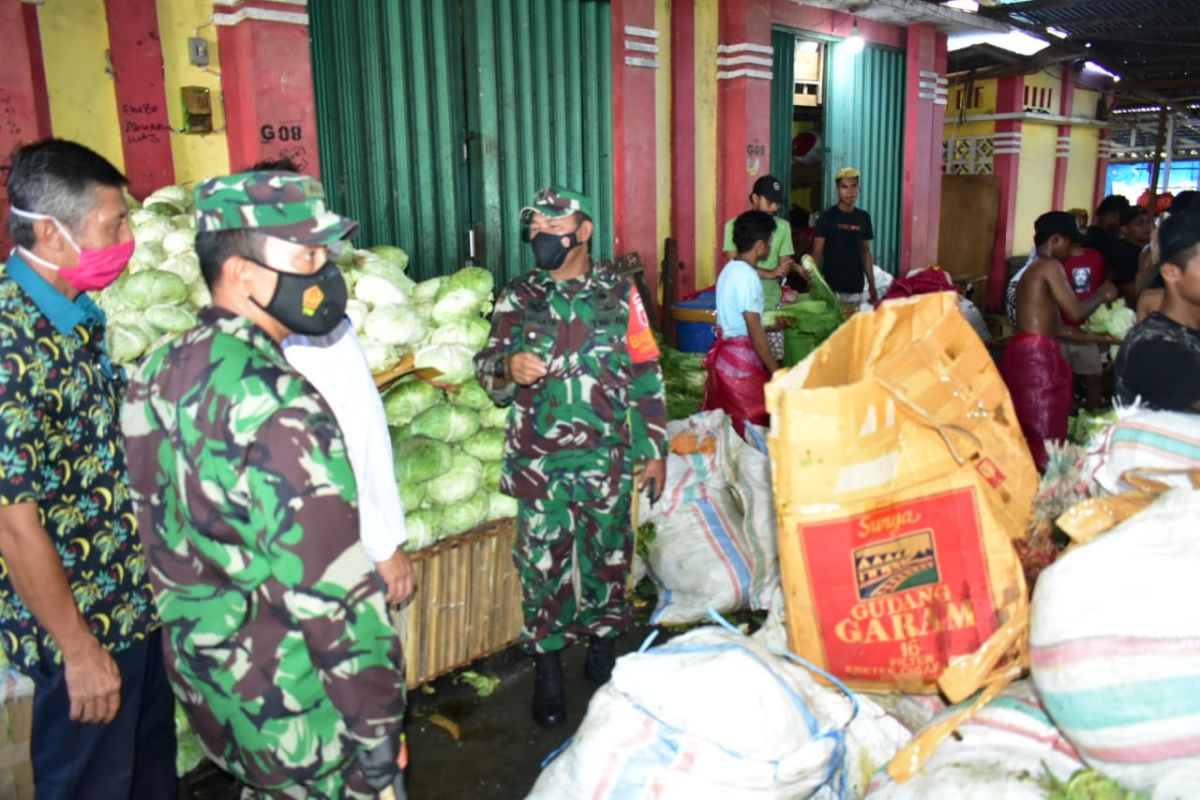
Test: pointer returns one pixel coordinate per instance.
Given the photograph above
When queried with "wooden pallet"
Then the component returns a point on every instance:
(467, 603)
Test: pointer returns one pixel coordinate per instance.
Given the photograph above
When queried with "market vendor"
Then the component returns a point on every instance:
(1159, 360)
(842, 241)
(278, 643)
(1038, 375)
(76, 608)
(572, 350)
(741, 362)
(767, 196)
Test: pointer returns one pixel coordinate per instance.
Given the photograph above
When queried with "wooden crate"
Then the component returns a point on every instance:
(16, 723)
(467, 603)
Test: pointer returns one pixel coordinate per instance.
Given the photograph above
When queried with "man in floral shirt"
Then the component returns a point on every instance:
(76, 608)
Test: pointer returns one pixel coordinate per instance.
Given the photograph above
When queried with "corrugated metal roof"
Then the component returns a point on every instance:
(1153, 45)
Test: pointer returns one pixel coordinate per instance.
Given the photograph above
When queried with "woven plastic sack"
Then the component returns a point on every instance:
(1006, 751)
(900, 477)
(710, 715)
(714, 543)
(1114, 647)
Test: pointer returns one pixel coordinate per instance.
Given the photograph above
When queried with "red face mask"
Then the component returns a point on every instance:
(97, 267)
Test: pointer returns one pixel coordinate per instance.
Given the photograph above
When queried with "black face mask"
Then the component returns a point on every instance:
(309, 304)
(548, 249)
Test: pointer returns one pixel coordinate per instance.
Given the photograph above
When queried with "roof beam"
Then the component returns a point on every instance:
(1029, 5)
(1192, 82)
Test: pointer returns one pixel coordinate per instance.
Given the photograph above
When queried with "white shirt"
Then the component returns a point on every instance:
(336, 365)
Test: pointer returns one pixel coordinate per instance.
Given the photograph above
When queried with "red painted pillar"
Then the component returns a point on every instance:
(267, 80)
(743, 107)
(924, 119)
(24, 113)
(1006, 163)
(1063, 145)
(141, 94)
(635, 65)
(683, 142)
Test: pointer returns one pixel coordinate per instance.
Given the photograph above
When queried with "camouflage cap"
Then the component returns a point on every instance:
(555, 201)
(281, 204)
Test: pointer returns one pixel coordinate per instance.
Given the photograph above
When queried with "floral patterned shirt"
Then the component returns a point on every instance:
(61, 447)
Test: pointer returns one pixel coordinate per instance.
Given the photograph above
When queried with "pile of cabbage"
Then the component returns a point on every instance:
(157, 297)
(1112, 319)
(447, 445)
(442, 321)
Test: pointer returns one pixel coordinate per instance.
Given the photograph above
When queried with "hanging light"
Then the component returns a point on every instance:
(855, 42)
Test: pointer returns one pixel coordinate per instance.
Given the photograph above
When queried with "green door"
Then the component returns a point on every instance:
(864, 128)
(783, 98)
(389, 89)
(439, 119)
(540, 112)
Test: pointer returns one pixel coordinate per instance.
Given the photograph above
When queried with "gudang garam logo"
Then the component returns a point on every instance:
(899, 593)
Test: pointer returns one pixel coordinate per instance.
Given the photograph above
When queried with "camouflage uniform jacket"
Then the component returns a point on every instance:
(572, 434)
(277, 639)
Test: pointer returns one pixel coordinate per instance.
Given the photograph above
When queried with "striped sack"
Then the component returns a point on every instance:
(714, 544)
(1008, 750)
(1115, 646)
(1145, 440)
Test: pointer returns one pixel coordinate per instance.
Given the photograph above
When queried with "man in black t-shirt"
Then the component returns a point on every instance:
(1136, 226)
(1160, 358)
(842, 241)
(1105, 233)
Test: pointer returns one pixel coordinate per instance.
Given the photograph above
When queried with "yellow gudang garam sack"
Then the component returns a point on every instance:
(901, 477)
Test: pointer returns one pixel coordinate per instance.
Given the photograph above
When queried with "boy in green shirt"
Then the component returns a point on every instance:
(767, 195)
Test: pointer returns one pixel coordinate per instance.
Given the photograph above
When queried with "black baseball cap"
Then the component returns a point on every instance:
(1053, 222)
(1113, 203)
(1180, 231)
(770, 188)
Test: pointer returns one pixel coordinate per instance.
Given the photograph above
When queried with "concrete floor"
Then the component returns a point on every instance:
(498, 752)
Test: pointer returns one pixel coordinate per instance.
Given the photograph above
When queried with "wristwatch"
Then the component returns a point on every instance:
(498, 371)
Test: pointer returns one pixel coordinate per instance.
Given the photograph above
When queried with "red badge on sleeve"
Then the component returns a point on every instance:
(638, 336)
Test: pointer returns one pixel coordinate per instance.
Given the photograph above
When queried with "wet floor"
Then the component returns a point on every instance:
(465, 746)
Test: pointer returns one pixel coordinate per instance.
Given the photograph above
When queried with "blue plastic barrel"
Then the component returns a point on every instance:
(695, 323)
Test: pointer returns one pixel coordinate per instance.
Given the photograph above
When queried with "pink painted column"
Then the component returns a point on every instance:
(743, 106)
(24, 113)
(1006, 163)
(924, 120)
(683, 141)
(141, 94)
(635, 65)
(1062, 148)
(267, 80)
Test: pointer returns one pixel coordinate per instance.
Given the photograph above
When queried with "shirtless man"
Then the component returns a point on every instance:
(1033, 366)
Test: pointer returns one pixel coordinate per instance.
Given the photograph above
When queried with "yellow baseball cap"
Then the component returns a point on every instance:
(849, 173)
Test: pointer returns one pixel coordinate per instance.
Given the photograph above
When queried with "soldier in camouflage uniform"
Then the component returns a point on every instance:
(278, 642)
(571, 349)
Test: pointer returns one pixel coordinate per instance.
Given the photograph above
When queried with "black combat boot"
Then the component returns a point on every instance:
(549, 691)
(601, 655)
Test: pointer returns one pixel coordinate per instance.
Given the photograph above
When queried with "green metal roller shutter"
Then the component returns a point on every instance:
(864, 128)
(389, 93)
(783, 88)
(440, 117)
(540, 111)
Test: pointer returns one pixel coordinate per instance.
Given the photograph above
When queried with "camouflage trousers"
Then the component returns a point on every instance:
(334, 786)
(573, 558)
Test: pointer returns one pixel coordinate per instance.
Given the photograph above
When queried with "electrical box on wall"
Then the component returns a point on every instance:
(198, 51)
(197, 110)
